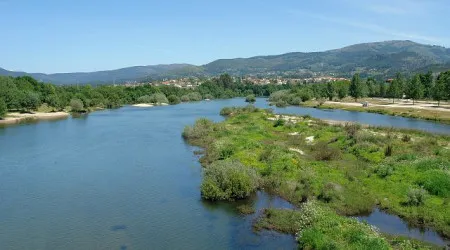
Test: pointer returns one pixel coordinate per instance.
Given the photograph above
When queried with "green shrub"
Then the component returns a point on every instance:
(281, 104)
(201, 128)
(278, 123)
(76, 105)
(185, 98)
(384, 171)
(406, 138)
(228, 180)
(250, 98)
(209, 97)
(158, 98)
(330, 192)
(281, 95)
(195, 97)
(436, 182)
(415, 196)
(433, 163)
(144, 99)
(324, 152)
(173, 99)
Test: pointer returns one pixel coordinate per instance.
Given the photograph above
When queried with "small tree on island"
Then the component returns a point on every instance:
(250, 98)
(356, 88)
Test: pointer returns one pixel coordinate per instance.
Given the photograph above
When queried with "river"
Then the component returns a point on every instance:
(123, 179)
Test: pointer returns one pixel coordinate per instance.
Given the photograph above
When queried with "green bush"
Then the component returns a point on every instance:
(324, 152)
(384, 171)
(144, 99)
(436, 182)
(281, 104)
(158, 98)
(76, 105)
(250, 98)
(173, 99)
(195, 96)
(416, 196)
(3, 108)
(433, 163)
(200, 129)
(209, 97)
(185, 98)
(228, 180)
(279, 123)
(281, 95)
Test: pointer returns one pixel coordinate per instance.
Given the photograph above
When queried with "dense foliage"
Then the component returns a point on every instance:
(228, 180)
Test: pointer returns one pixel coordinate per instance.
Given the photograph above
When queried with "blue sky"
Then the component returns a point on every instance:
(53, 36)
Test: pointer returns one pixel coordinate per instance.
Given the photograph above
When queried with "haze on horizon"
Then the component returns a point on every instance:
(57, 36)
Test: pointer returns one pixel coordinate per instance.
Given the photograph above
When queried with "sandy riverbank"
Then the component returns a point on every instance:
(398, 104)
(142, 105)
(14, 118)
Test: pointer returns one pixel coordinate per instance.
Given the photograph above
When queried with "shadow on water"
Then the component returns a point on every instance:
(243, 224)
(394, 225)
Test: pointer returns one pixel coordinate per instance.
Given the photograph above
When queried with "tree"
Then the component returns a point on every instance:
(158, 98)
(250, 98)
(76, 105)
(427, 83)
(173, 99)
(355, 89)
(395, 90)
(415, 88)
(330, 92)
(342, 92)
(441, 87)
(382, 92)
(3, 109)
(54, 101)
(371, 85)
(30, 100)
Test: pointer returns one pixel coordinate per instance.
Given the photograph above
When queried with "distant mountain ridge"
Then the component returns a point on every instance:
(377, 59)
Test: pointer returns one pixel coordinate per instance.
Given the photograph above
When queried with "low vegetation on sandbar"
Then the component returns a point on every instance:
(334, 170)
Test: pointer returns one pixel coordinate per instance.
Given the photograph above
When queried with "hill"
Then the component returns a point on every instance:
(381, 58)
(376, 59)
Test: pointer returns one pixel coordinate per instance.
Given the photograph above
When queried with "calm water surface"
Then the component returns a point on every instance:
(125, 179)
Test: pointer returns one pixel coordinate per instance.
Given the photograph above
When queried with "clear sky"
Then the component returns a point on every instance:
(87, 35)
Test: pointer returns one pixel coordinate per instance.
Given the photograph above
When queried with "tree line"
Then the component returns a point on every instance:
(419, 86)
(26, 94)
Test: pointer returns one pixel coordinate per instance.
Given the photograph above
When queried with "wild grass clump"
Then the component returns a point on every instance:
(330, 192)
(324, 152)
(228, 180)
(433, 163)
(200, 129)
(352, 129)
(246, 209)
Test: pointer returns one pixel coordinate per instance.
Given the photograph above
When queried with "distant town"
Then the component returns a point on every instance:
(192, 82)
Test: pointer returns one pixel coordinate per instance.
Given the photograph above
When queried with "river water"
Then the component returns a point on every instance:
(122, 179)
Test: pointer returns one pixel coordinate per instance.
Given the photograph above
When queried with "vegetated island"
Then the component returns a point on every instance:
(330, 171)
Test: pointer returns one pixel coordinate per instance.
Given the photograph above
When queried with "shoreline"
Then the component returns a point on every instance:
(425, 112)
(17, 118)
